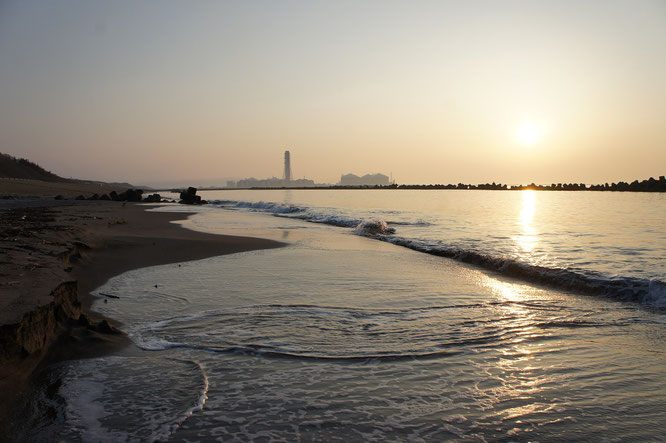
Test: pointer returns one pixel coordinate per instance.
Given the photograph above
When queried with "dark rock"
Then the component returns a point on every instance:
(155, 198)
(113, 195)
(53, 388)
(84, 320)
(94, 197)
(59, 197)
(130, 195)
(105, 328)
(104, 197)
(38, 327)
(134, 195)
(190, 197)
(80, 197)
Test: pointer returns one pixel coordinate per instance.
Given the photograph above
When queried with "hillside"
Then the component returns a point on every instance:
(12, 167)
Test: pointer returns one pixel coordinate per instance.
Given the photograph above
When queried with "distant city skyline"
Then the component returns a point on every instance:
(431, 91)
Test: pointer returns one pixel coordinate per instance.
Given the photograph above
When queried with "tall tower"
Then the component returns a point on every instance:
(287, 166)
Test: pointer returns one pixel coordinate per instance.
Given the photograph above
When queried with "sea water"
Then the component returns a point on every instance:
(389, 315)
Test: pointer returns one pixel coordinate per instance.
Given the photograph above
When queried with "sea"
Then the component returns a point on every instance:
(389, 315)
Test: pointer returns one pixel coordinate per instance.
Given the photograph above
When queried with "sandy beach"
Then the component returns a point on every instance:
(25, 187)
(56, 253)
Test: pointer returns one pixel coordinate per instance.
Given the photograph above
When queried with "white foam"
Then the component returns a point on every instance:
(373, 228)
(166, 431)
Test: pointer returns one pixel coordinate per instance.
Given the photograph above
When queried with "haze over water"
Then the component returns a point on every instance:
(342, 336)
(165, 93)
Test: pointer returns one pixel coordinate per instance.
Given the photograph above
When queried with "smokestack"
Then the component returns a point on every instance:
(287, 166)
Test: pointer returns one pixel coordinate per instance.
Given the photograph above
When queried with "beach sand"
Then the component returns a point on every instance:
(25, 187)
(46, 244)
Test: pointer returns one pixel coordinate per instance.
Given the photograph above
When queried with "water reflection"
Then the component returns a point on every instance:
(519, 365)
(287, 196)
(527, 239)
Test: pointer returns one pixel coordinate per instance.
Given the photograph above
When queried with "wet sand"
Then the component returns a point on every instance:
(47, 243)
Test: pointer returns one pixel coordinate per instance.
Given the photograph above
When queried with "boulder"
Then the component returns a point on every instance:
(190, 197)
(104, 327)
(154, 198)
(134, 195)
(130, 195)
(105, 197)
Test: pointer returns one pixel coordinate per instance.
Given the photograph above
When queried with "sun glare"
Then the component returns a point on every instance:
(528, 134)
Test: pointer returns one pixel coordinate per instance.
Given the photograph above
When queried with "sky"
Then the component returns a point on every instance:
(161, 92)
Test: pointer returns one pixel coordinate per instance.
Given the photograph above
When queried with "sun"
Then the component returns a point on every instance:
(529, 134)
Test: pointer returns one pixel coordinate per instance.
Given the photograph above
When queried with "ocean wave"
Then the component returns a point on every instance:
(346, 334)
(327, 219)
(276, 208)
(651, 292)
(635, 289)
(256, 350)
(371, 228)
(409, 223)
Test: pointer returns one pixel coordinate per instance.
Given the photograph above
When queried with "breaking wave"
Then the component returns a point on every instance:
(651, 292)
(373, 228)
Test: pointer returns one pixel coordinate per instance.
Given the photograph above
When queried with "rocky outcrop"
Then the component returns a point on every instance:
(39, 327)
(131, 195)
(44, 325)
(154, 198)
(190, 197)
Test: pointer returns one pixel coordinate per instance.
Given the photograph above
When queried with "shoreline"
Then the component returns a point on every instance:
(49, 290)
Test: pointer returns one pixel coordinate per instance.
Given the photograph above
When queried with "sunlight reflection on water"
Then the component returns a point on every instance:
(528, 238)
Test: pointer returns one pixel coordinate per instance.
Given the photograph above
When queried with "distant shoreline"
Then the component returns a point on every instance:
(650, 185)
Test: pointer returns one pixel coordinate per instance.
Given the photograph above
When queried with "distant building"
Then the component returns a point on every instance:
(287, 166)
(274, 182)
(366, 180)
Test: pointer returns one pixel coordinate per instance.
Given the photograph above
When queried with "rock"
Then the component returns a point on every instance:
(84, 320)
(190, 197)
(105, 328)
(114, 196)
(155, 198)
(105, 197)
(38, 327)
(134, 195)
(80, 197)
(130, 195)
(59, 197)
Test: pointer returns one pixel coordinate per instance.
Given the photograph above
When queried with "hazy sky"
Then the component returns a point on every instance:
(434, 92)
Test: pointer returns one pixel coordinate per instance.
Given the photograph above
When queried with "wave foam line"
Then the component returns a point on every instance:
(649, 292)
(304, 213)
(652, 292)
(201, 401)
